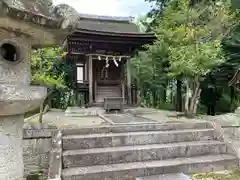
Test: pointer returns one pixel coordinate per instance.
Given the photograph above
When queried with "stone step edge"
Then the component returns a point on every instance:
(153, 126)
(140, 147)
(89, 136)
(83, 171)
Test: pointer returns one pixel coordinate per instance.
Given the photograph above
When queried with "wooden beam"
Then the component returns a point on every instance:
(90, 76)
(129, 82)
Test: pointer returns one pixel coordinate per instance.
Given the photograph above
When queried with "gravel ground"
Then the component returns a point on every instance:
(59, 120)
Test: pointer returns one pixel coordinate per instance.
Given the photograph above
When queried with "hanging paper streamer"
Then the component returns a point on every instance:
(107, 62)
(115, 62)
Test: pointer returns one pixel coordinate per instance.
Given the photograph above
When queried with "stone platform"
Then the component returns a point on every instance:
(178, 176)
(80, 112)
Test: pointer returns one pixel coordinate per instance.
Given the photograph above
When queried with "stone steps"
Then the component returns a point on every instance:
(124, 154)
(136, 128)
(129, 171)
(172, 176)
(72, 142)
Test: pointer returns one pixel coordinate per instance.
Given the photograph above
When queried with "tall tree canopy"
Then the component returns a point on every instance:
(189, 44)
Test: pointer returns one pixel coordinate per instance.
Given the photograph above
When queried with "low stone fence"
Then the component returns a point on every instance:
(232, 135)
(37, 144)
(232, 132)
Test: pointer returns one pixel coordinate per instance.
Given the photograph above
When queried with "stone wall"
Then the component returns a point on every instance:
(37, 144)
(232, 136)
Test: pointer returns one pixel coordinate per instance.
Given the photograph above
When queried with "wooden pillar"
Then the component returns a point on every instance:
(129, 82)
(123, 90)
(122, 81)
(95, 90)
(90, 76)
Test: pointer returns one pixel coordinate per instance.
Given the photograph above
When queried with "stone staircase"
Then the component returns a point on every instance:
(126, 152)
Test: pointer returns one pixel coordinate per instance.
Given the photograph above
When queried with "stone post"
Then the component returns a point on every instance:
(16, 98)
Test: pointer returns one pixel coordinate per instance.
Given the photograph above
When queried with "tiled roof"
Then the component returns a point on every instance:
(106, 18)
(49, 15)
(107, 24)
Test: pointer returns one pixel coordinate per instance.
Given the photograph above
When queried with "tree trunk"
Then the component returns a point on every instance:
(194, 100)
(187, 97)
(197, 101)
(42, 109)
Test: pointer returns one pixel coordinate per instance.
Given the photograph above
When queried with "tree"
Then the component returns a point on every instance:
(42, 63)
(193, 34)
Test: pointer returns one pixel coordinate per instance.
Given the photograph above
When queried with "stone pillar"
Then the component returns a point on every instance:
(16, 98)
(11, 161)
(129, 81)
(90, 79)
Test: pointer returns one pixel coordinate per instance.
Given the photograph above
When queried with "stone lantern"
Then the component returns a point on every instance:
(23, 24)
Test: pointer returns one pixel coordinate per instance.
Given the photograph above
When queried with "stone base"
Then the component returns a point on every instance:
(179, 176)
(11, 143)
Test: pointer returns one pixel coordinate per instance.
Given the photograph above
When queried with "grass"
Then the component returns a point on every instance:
(226, 175)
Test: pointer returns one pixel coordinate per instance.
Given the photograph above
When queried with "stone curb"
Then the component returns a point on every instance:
(55, 159)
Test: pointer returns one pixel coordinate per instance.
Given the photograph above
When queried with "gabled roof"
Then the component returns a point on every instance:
(107, 24)
(106, 18)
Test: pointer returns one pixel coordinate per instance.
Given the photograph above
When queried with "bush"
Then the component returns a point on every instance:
(225, 104)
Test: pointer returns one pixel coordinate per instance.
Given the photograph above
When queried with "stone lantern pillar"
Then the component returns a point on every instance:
(23, 24)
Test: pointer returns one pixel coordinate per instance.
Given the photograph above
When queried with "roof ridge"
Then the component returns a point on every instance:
(106, 18)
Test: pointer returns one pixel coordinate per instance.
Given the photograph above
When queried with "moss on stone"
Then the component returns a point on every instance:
(222, 175)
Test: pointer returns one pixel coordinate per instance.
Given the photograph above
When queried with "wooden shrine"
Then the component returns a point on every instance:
(101, 47)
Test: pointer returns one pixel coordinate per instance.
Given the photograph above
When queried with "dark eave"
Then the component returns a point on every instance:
(116, 34)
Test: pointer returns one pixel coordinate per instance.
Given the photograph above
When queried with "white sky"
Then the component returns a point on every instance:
(109, 7)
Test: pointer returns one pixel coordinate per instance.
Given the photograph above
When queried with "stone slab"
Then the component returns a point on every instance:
(73, 142)
(81, 112)
(177, 176)
(124, 154)
(126, 118)
(135, 128)
(129, 171)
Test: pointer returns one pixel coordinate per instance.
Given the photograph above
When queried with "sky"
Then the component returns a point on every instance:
(133, 8)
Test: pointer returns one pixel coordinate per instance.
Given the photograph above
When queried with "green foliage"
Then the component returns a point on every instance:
(188, 47)
(224, 104)
(51, 70)
(42, 62)
(194, 36)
